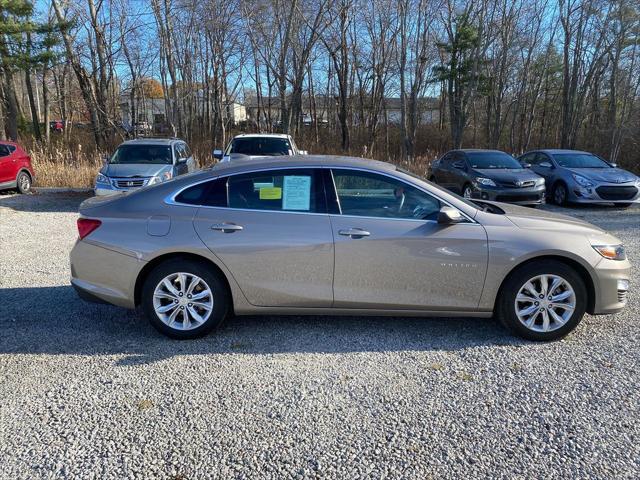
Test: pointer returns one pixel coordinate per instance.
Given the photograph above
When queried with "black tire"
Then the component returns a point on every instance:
(559, 194)
(464, 188)
(220, 295)
(23, 182)
(505, 304)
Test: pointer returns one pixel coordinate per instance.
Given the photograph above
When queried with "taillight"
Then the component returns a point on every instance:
(86, 226)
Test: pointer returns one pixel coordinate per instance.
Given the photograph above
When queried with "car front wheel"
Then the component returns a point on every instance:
(184, 299)
(542, 301)
(559, 194)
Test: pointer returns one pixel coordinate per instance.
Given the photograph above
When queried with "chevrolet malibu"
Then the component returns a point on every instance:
(339, 236)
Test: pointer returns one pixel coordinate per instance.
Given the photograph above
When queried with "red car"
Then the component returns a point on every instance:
(15, 168)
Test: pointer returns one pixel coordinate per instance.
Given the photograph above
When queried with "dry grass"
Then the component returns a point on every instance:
(64, 167)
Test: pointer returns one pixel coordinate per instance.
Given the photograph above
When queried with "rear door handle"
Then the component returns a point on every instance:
(226, 227)
(354, 233)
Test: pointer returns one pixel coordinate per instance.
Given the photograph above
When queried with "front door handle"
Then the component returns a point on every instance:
(226, 227)
(354, 233)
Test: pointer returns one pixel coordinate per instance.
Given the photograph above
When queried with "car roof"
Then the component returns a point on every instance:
(561, 150)
(477, 150)
(256, 135)
(152, 141)
(248, 164)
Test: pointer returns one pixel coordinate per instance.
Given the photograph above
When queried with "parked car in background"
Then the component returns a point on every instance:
(15, 168)
(573, 176)
(141, 162)
(336, 235)
(57, 126)
(488, 175)
(259, 145)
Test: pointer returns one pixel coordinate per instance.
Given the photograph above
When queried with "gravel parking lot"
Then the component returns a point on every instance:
(92, 391)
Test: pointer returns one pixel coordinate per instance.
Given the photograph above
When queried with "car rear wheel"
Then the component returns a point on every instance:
(23, 182)
(184, 299)
(559, 194)
(542, 301)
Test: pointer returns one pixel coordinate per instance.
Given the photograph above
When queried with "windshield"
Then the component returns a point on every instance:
(130, 154)
(261, 146)
(490, 160)
(580, 160)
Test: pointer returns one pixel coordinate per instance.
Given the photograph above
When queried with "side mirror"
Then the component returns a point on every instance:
(525, 165)
(217, 154)
(105, 159)
(546, 165)
(449, 216)
(459, 165)
(303, 152)
(613, 164)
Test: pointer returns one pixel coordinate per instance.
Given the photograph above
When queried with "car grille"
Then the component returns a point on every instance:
(617, 193)
(130, 182)
(518, 198)
(525, 184)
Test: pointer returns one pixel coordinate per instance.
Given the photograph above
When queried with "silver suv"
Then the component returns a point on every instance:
(137, 163)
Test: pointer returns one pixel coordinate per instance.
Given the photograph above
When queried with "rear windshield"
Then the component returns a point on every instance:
(261, 146)
(490, 160)
(580, 160)
(128, 154)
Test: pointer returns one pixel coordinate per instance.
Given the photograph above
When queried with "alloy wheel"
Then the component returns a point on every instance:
(467, 192)
(183, 301)
(559, 194)
(24, 183)
(545, 303)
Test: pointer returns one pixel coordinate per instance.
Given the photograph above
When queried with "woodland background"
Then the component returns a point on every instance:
(506, 74)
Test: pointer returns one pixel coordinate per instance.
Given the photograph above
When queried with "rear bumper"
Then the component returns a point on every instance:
(100, 274)
(518, 196)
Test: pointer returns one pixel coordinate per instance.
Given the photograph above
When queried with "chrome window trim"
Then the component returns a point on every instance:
(170, 199)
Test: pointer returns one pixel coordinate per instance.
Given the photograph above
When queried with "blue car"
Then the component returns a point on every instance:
(573, 176)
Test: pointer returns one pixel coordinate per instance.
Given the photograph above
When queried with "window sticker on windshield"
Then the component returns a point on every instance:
(297, 192)
(270, 193)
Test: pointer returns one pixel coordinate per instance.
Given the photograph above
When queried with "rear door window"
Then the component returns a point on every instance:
(294, 190)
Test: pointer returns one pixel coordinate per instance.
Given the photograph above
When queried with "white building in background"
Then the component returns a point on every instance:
(152, 111)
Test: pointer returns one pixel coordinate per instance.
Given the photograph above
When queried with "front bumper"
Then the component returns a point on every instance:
(120, 185)
(612, 285)
(605, 193)
(518, 196)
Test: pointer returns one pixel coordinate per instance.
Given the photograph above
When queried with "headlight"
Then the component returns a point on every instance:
(539, 181)
(582, 181)
(160, 178)
(612, 252)
(100, 178)
(486, 181)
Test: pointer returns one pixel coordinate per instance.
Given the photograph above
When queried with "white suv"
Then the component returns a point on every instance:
(259, 145)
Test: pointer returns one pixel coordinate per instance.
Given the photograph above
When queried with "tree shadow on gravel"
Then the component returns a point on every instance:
(44, 202)
(53, 320)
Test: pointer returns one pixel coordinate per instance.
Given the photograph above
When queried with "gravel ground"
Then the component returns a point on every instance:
(91, 391)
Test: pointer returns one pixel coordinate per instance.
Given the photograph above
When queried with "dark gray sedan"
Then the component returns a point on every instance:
(488, 175)
(573, 176)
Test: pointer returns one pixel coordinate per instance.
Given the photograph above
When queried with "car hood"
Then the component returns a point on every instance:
(609, 175)
(135, 169)
(543, 220)
(507, 175)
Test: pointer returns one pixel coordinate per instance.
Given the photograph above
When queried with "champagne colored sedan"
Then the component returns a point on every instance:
(339, 236)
